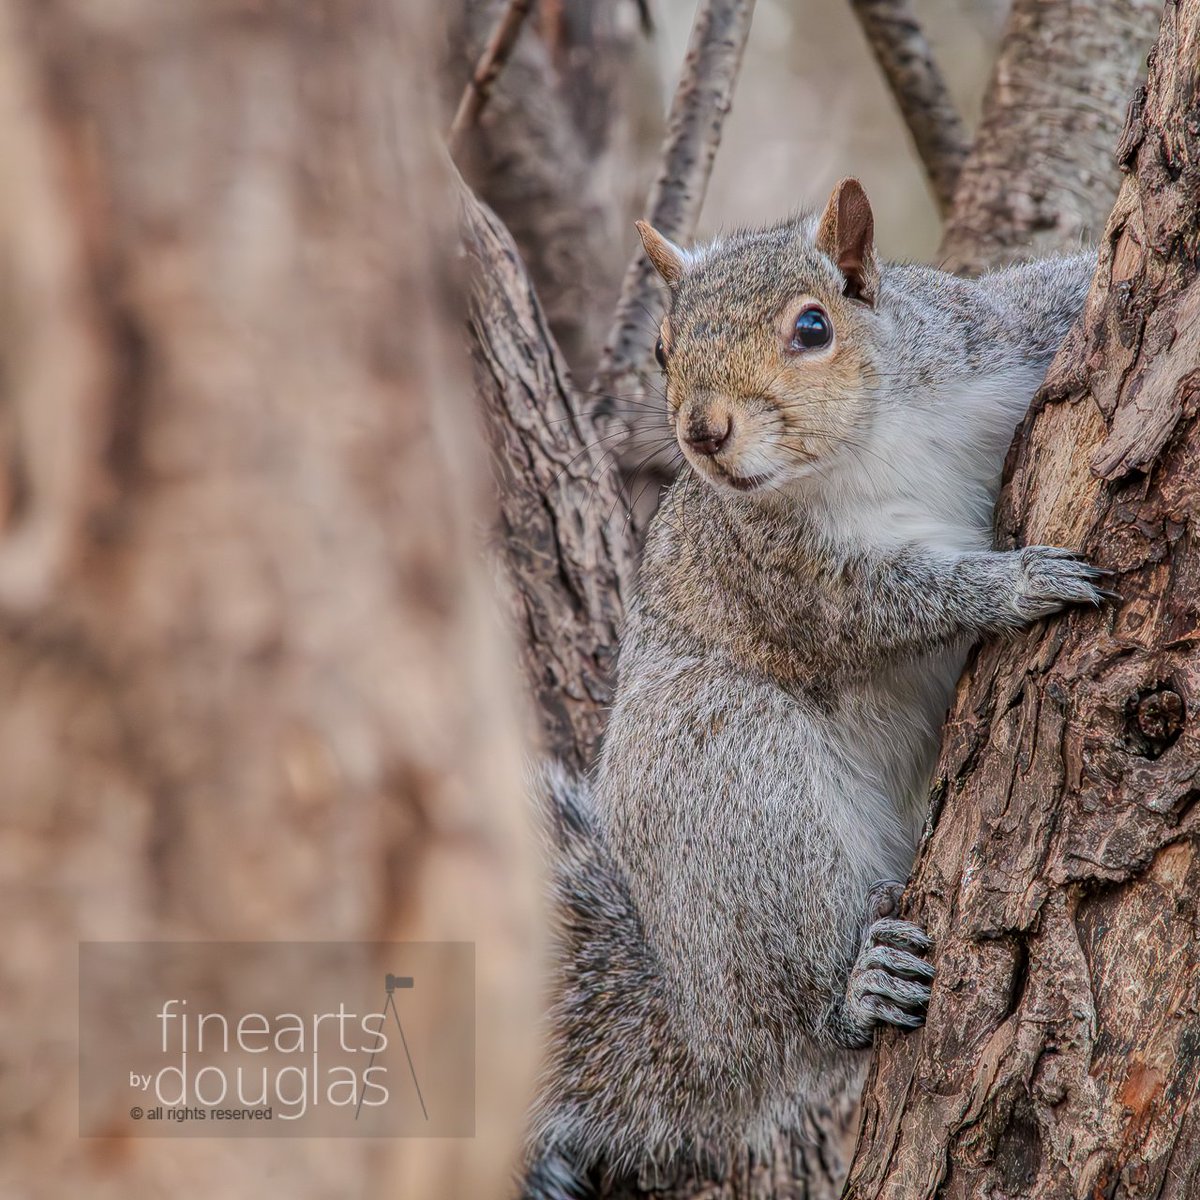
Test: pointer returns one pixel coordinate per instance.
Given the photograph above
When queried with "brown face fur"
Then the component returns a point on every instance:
(731, 360)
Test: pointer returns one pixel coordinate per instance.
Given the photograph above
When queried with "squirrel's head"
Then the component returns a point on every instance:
(765, 347)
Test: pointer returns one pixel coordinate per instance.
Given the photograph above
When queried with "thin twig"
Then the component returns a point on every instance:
(904, 56)
(491, 63)
(702, 100)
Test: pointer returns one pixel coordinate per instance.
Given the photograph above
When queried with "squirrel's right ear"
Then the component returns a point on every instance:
(669, 261)
(847, 234)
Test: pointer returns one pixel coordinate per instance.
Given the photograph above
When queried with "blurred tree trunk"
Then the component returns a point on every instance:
(253, 685)
(1060, 881)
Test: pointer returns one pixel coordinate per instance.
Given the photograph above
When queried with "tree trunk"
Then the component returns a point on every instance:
(254, 688)
(1060, 879)
(1040, 178)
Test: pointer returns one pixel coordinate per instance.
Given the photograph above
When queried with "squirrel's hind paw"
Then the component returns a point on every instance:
(889, 983)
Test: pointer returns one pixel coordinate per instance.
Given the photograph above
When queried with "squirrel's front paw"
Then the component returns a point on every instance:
(889, 982)
(1049, 578)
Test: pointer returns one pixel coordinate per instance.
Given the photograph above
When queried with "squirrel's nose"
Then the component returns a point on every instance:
(707, 439)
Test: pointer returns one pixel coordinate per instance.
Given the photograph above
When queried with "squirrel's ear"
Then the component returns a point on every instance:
(669, 261)
(847, 234)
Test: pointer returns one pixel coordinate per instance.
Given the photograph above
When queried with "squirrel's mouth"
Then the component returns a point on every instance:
(745, 483)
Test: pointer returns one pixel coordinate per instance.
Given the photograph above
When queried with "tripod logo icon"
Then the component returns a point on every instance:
(392, 984)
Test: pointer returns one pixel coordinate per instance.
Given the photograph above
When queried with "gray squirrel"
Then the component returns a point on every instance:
(726, 881)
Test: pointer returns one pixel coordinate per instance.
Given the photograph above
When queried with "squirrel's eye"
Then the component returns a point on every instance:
(660, 354)
(813, 330)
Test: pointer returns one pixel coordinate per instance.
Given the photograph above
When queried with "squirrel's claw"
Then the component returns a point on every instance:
(1049, 578)
(899, 963)
(890, 1014)
(889, 931)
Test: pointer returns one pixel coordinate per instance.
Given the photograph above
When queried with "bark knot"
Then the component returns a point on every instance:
(1155, 719)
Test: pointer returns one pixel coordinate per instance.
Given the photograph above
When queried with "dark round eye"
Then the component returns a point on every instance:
(813, 330)
(660, 354)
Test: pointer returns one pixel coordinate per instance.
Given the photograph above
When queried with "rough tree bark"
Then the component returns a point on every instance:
(1060, 880)
(1039, 177)
(567, 550)
(253, 687)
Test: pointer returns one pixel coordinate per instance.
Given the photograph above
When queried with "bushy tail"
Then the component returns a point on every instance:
(613, 1054)
(550, 1176)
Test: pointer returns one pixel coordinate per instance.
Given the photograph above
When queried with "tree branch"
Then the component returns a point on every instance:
(491, 62)
(1040, 176)
(567, 550)
(702, 100)
(904, 56)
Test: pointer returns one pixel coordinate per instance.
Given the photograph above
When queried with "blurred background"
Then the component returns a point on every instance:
(812, 106)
